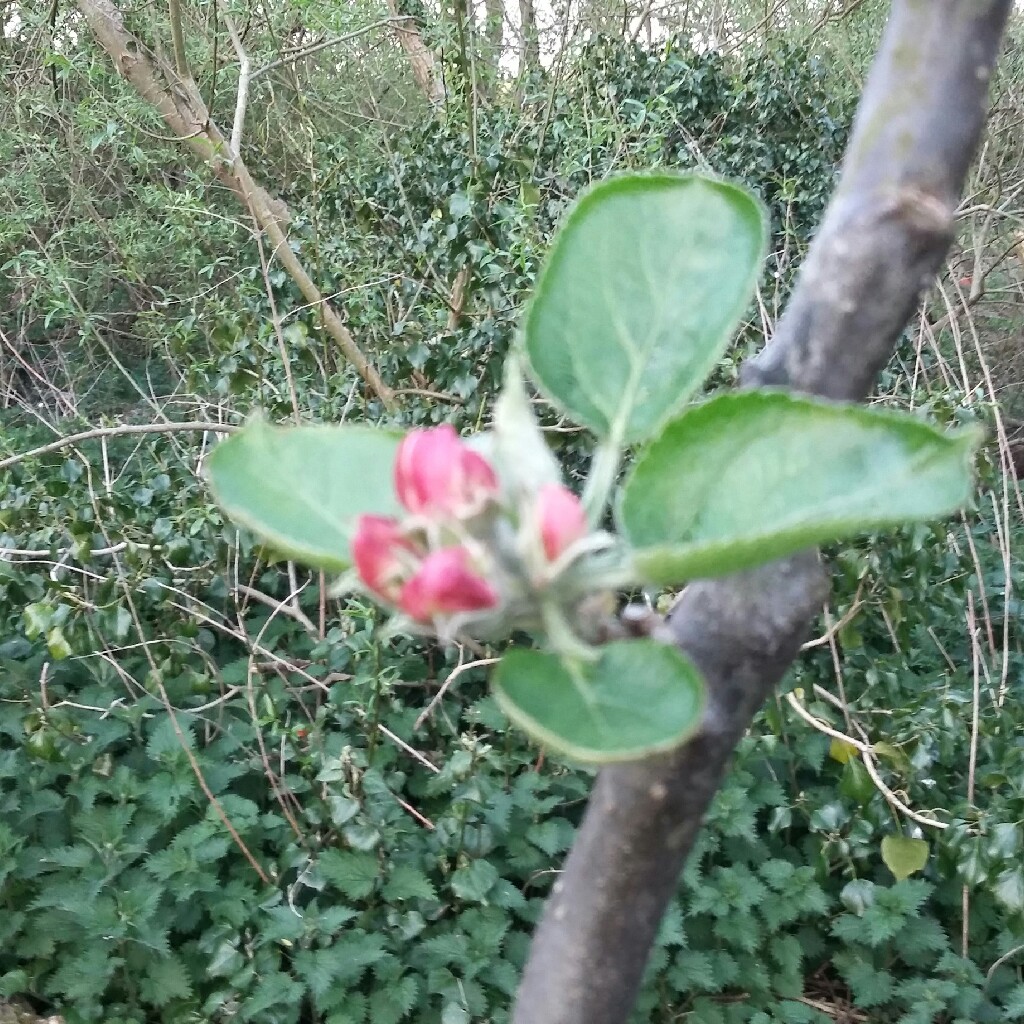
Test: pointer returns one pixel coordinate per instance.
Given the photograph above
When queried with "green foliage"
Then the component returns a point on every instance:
(640, 696)
(639, 297)
(111, 856)
(620, 346)
(740, 479)
(303, 489)
(123, 897)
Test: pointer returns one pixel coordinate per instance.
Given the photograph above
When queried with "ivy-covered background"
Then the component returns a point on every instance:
(222, 795)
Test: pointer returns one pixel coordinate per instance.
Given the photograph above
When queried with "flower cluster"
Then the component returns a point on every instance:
(461, 551)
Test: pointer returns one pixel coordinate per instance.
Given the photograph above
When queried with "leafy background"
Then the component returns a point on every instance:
(221, 795)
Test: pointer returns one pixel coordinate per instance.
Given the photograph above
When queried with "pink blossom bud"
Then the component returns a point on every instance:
(561, 518)
(383, 556)
(444, 584)
(437, 475)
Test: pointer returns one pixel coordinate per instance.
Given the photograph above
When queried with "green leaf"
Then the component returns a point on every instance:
(300, 489)
(391, 1004)
(842, 751)
(407, 883)
(641, 696)
(57, 644)
(752, 476)
(165, 979)
(904, 856)
(454, 1014)
(354, 873)
(639, 297)
(1010, 889)
(474, 881)
(522, 456)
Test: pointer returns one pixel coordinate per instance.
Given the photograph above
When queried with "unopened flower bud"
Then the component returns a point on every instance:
(561, 519)
(437, 475)
(446, 583)
(383, 556)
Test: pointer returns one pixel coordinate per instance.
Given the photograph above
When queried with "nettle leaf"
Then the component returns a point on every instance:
(474, 881)
(640, 294)
(354, 873)
(300, 489)
(752, 476)
(904, 856)
(639, 697)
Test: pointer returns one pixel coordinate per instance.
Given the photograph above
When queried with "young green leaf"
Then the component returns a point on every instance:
(752, 476)
(904, 856)
(300, 489)
(524, 461)
(640, 697)
(640, 294)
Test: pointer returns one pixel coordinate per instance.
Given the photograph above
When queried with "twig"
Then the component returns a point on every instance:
(243, 87)
(317, 47)
(867, 756)
(409, 809)
(837, 627)
(113, 549)
(1005, 958)
(452, 676)
(124, 428)
(178, 40)
(972, 760)
(288, 609)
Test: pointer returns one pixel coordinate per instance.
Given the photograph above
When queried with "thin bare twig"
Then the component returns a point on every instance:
(242, 98)
(452, 676)
(178, 40)
(308, 51)
(123, 428)
(867, 756)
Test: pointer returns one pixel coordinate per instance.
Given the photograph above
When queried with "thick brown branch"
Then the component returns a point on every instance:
(183, 110)
(883, 237)
(421, 58)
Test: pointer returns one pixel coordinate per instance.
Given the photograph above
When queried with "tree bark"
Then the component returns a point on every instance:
(421, 58)
(494, 29)
(531, 38)
(182, 108)
(883, 237)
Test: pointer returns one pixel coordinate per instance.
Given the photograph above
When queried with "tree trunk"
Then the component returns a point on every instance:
(421, 58)
(531, 40)
(494, 28)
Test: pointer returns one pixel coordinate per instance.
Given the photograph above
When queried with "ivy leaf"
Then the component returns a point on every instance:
(639, 697)
(904, 856)
(748, 477)
(642, 289)
(1010, 889)
(300, 489)
(842, 751)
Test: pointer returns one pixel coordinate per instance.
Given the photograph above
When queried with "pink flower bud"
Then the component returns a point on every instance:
(383, 556)
(436, 475)
(561, 519)
(444, 584)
